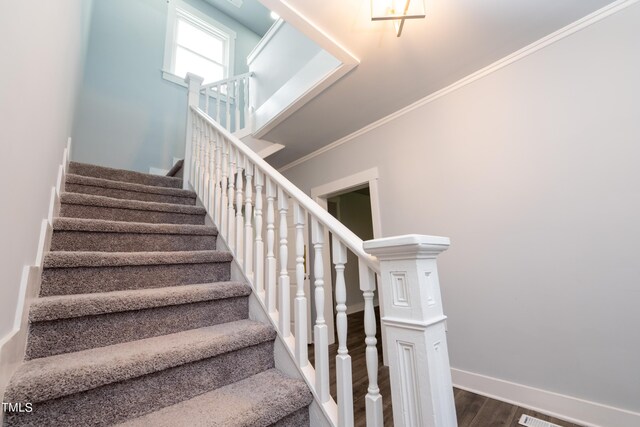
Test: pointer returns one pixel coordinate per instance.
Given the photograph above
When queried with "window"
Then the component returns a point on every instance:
(195, 43)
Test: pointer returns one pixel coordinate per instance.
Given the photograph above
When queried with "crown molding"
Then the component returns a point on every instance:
(532, 48)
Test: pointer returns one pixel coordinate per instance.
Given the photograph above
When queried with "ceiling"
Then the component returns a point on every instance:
(252, 14)
(457, 38)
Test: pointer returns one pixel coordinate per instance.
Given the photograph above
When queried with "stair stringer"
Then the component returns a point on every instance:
(284, 359)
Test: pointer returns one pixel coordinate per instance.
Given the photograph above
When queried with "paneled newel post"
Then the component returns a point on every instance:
(193, 100)
(416, 341)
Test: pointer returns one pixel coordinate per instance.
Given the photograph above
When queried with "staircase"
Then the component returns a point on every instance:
(138, 322)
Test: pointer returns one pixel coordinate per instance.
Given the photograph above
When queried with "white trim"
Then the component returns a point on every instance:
(303, 24)
(158, 171)
(556, 36)
(271, 149)
(162, 171)
(283, 96)
(355, 308)
(568, 408)
(168, 75)
(67, 158)
(343, 185)
(203, 20)
(13, 345)
(273, 30)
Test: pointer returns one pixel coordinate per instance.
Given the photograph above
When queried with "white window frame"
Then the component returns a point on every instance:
(178, 8)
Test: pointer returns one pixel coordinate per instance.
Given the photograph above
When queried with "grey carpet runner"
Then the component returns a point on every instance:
(138, 322)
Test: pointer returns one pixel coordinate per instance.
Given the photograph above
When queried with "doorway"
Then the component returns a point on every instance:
(353, 209)
(353, 192)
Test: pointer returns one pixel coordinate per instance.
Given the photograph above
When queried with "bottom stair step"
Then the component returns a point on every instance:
(265, 399)
(108, 385)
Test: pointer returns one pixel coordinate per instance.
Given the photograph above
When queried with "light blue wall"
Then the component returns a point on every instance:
(128, 116)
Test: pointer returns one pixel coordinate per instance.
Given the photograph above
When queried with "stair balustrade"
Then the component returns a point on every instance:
(227, 101)
(233, 183)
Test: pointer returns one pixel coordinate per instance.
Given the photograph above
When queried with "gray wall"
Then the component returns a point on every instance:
(42, 53)
(129, 116)
(533, 171)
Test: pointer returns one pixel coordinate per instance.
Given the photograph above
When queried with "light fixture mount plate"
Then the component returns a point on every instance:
(385, 10)
(397, 11)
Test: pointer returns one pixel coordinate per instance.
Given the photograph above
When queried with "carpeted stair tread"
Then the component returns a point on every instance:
(260, 400)
(95, 171)
(63, 259)
(62, 375)
(110, 202)
(106, 226)
(128, 186)
(79, 305)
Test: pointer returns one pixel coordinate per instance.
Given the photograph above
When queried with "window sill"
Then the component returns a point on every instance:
(174, 79)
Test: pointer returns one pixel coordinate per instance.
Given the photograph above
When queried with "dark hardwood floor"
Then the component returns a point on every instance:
(473, 410)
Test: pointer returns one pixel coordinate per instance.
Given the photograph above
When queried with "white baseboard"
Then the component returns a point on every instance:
(355, 308)
(160, 171)
(572, 409)
(358, 307)
(13, 345)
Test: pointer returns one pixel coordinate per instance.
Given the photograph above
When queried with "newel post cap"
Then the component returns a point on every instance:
(407, 246)
(193, 80)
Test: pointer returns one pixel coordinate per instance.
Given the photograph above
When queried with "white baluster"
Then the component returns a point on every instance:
(212, 171)
(320, 331)
(207, 95)
(195, 152)
(259, 244)
(200, 158)
(300, 307)
(239, 219)
(206, 162)
(203, 160)
(373, 399)
(227, 125)
(271, 259)
(194, 82)
(231, 213)
(237, 104)
(246, 102)
(343, 359)
(217, 198)
(218, 94)
(248, 228)
(284, 305)
(224, 201)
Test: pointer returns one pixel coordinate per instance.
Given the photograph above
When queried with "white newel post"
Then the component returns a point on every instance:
(416, 340)
(193, 100)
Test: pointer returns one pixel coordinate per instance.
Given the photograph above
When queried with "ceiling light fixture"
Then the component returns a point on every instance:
(274, 16)
(397, 11)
